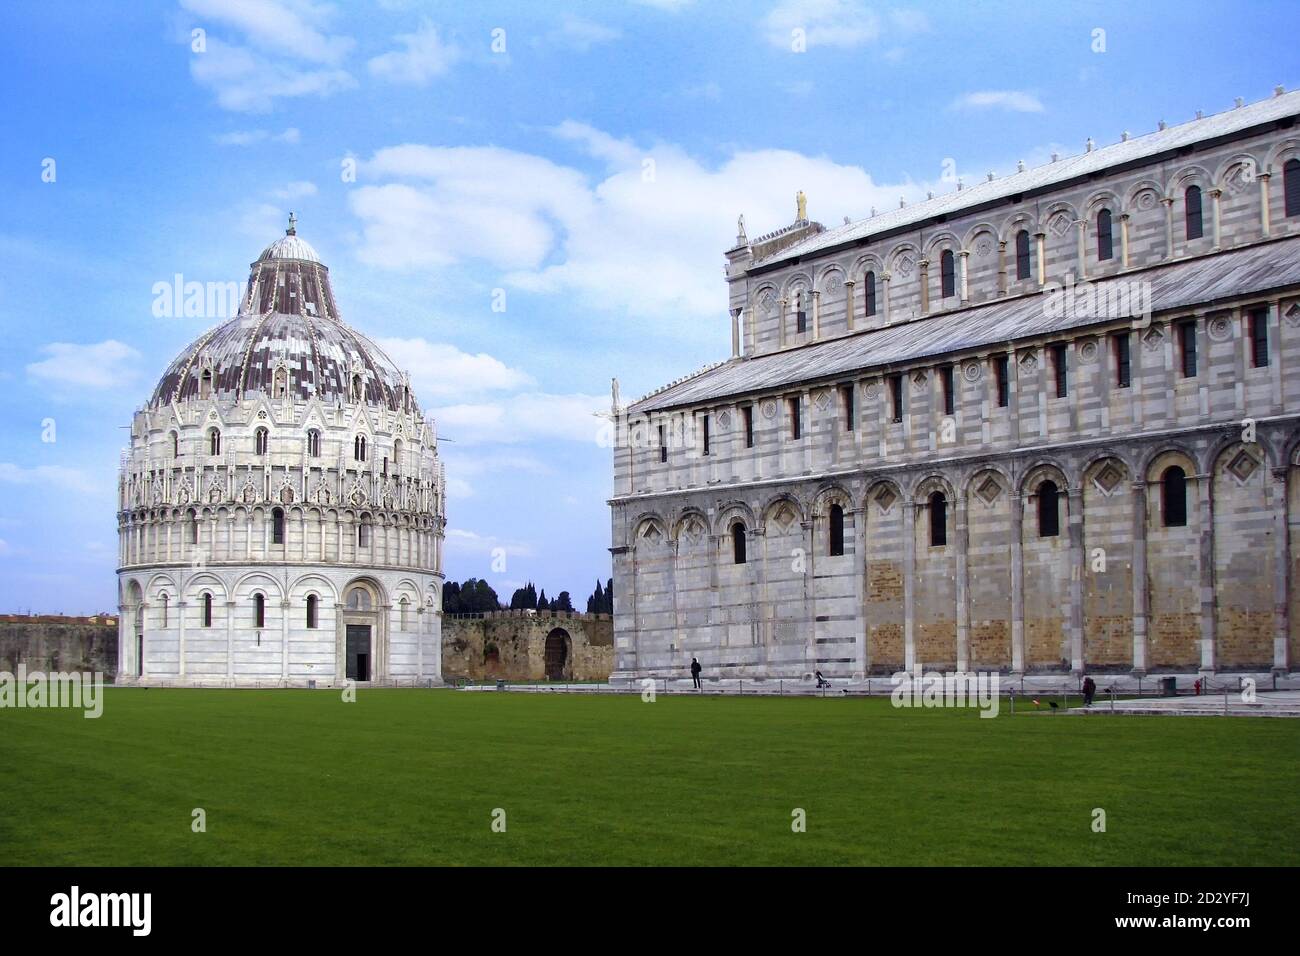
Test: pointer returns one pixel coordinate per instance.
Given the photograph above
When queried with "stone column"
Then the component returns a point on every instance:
(1169, 227)
(1206, 518)
(735, 333)
(909, 582)
(1017, 585)
(1141, 599)
(181, 609)
(1265, 214)
(859, 517)
(963, 286)
(1081, 247)
(885, 277)
(285, 607)
(1074, 501)
(1002, 267)
(1123, 239)
(780, 329)
(1040, 257)
(848, 303)
(817, 315)
(810, 594)
(1216, 195)
(230, 640)
(1281, 570)
(925, 286)
(963, 592)
(753, 331)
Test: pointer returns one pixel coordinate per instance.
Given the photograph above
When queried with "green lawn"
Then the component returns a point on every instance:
(412, 777)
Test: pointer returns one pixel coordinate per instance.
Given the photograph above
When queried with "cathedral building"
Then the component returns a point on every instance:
(281, 505)
(1043, 423)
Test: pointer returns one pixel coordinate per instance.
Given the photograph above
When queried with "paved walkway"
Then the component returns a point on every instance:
(1282, 703)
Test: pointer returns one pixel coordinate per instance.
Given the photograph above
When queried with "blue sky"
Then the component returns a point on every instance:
(593, 169)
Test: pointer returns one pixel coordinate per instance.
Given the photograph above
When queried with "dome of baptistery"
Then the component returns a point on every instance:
(281, 505)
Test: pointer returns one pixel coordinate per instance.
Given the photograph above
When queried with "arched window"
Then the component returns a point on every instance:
(359, 448)
(277, 526)
(947, 274)
(1049, 515)
(176, 445)
(162, 611)
(214, 441)
(259, 610)
(1105, 243)
(312, 609)
(313, 443)
(403, 607)
(192, 527)
(358, 600)
(869, 293)
(738, 543)
(261, 439)
(363, 533)
(1173, 497)
(938, 520)
(280, 388)
(837, 531)
(1192, 201)
(1022, 254)
(397, 456)
(205, 384)
(207, 609)
(356, 388)
(1291, 186)
(801, 312)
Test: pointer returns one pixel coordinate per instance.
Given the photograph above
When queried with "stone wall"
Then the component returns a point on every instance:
(58, 644)
(512, 645)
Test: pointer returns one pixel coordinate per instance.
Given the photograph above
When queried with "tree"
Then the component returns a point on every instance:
(524, 598)
(542, 604)
(472, 597)
(562, 603)
(451, 598)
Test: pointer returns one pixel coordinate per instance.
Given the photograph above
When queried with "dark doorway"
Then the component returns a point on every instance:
(557, 653)
(358, 650)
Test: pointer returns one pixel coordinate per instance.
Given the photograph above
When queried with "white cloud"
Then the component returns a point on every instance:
(1016, 101)
(245, 81)
(57, 476)
(249, 137)
(442, 371)
(645, 239)
(838, 23)
(526, 417)
(295, 190)
(106, 364)
(579, 34)
(463, 541)
(424, 56)
(280, 26)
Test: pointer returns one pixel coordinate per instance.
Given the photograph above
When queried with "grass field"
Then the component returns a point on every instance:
(412, 777)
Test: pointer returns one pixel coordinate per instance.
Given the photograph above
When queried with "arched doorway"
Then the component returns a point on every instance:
(363, 638)
(557, 653)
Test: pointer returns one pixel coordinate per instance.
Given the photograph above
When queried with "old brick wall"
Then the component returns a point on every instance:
(511, 645)
(53, 645)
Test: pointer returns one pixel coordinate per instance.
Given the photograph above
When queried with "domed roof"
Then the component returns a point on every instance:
(286, 339)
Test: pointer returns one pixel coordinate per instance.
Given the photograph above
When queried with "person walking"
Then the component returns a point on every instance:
(1089, 691)
(695, 674)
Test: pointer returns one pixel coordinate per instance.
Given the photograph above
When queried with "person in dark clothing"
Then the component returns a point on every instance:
(1089, 691)
(695, 673)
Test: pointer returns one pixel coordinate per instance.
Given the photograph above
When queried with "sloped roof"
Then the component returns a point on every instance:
(1192, 282)
(1063, 170)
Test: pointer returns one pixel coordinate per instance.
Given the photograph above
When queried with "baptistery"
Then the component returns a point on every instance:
(281, 503)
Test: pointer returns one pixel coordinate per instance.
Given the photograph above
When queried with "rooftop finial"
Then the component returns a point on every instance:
(801, 202)
(293, 225)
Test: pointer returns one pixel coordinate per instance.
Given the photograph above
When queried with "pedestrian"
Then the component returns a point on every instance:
(1089, 691)
(695, 674)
